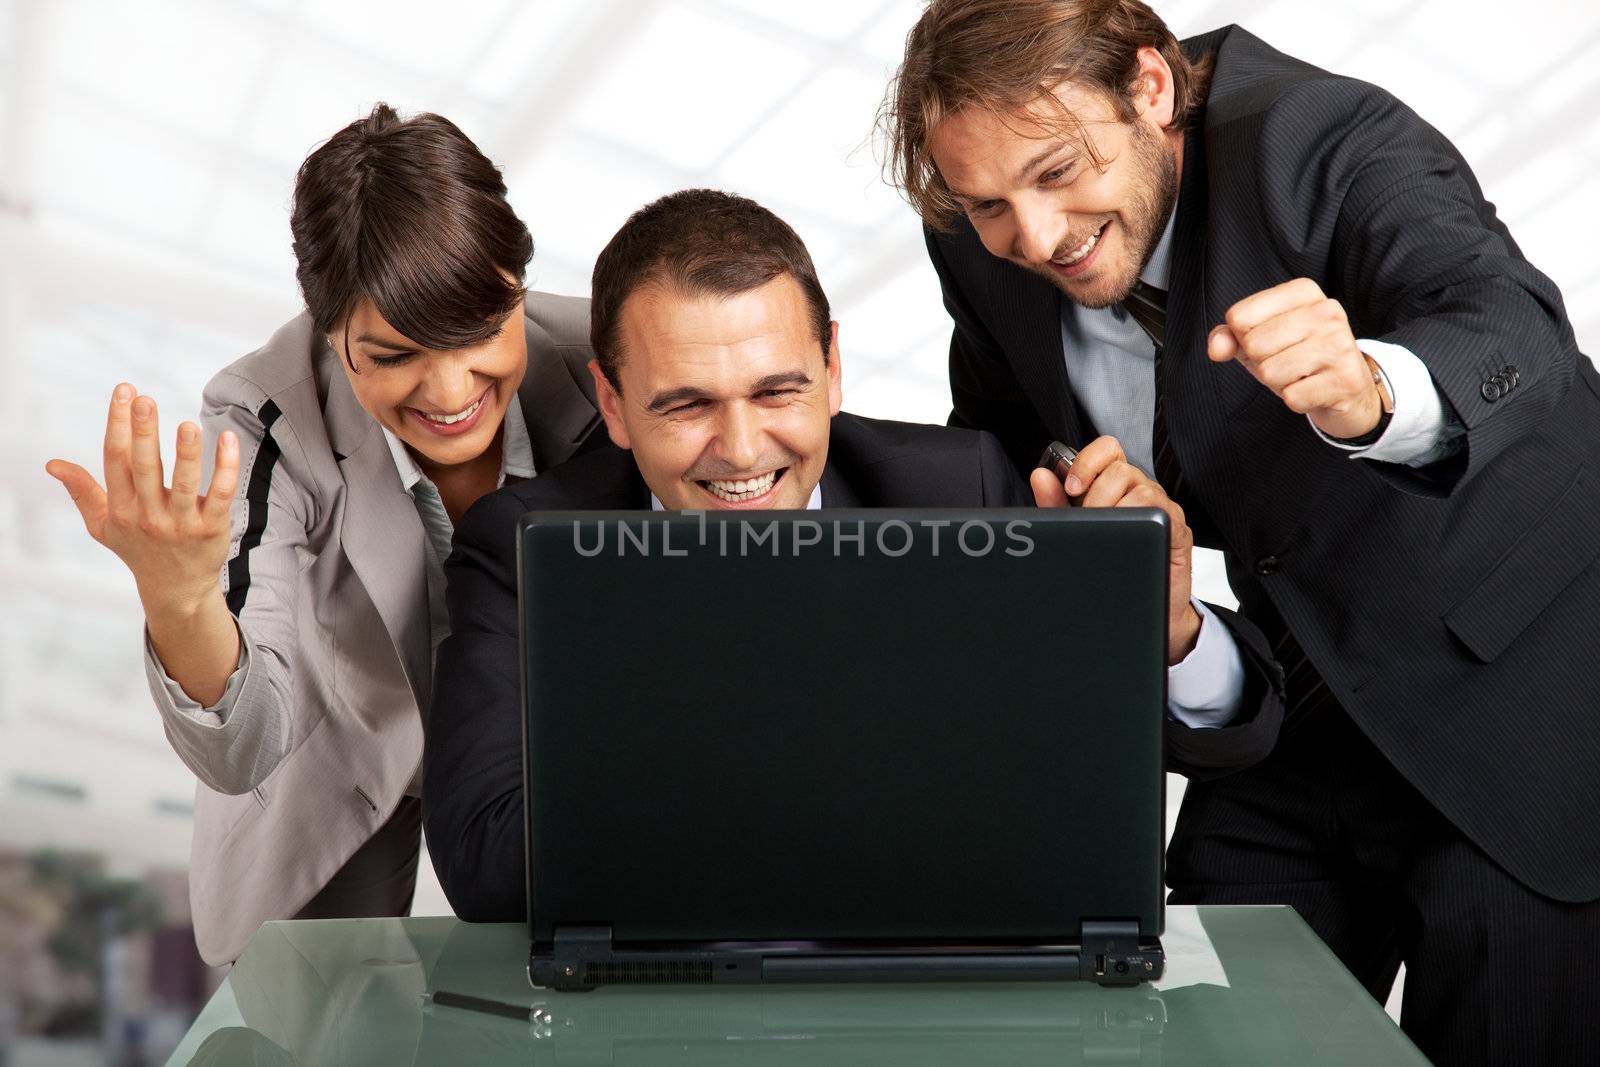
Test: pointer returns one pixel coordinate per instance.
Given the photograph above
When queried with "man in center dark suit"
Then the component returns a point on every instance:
(1394, 441)
(718, 375)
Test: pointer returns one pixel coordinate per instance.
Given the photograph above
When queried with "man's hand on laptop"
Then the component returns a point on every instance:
(1102, 477)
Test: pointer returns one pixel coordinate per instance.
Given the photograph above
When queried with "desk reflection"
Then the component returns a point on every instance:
(1244, 986)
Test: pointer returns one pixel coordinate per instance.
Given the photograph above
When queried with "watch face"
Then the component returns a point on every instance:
(1385, 397)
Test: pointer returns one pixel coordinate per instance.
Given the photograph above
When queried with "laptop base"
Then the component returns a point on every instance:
(581, 958)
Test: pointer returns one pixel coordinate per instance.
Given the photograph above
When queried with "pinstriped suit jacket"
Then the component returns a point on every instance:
(1454, 611)
(328, 581)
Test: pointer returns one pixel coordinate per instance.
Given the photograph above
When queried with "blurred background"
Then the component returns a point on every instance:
(147, 152)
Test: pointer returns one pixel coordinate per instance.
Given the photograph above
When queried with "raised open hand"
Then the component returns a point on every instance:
(174, 540)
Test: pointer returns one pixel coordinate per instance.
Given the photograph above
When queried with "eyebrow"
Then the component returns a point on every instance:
(1039, 160)
(672, 397)
(1023, 173)
(368, 339)
(772, 381)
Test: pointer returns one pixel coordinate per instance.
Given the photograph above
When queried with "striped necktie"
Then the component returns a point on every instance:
(1148, 306)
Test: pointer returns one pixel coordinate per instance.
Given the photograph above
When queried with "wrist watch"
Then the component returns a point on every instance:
(1385, 401)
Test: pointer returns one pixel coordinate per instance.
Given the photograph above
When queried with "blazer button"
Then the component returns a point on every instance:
(1268, 565)
(1511, 375)
(1492, 390)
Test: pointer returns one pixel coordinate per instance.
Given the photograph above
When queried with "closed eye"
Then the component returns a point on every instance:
(1050, 177)
(390, 361)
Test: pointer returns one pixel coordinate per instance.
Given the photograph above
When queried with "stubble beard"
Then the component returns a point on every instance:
(1155, 194)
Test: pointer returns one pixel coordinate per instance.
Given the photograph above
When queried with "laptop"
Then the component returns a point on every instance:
(844, 746)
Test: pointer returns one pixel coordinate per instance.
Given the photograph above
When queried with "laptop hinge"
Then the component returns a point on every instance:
(1113, 955)
(574, 948)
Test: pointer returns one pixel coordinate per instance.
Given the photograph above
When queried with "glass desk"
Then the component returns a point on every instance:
(1243, 986)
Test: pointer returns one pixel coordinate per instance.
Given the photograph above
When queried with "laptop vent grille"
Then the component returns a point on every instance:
(647, 973)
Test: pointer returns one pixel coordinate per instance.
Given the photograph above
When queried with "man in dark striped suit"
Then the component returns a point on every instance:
(1282, 294)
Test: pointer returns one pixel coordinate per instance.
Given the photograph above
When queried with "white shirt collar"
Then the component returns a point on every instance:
(516, 451)
(811, 505)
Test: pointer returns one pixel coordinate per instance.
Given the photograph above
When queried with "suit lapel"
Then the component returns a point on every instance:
(1022, 313)
(1028, 324)
(635, 493)
(381, 533)
(559, 412)
(1188, 321)
(836, 492)
(1202, 399)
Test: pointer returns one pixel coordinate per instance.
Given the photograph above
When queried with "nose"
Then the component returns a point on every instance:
(1039, 232)
(739, 436)
(450, 384)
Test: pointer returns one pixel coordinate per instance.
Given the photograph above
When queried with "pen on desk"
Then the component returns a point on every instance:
(446, 999)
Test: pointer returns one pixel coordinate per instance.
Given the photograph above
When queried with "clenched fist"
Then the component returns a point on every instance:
(1298, 343)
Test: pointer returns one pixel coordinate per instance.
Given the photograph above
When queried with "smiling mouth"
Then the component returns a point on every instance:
(460, 416)
(740, 490)
(1078, 254)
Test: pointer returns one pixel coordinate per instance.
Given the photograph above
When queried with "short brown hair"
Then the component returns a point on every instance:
(410, 215)
(1003, 54)
(699, 241)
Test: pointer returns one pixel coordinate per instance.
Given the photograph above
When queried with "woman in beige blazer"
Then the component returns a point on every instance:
(292, 611)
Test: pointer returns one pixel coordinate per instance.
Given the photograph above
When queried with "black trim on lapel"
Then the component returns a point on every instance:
(255, 495)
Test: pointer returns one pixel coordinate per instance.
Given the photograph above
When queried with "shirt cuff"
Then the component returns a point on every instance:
(1420, 431)
(1205, 687)
(218, 712)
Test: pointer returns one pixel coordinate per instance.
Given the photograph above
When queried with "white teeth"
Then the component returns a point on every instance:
(450, 420)
(1081, 251)
(742, 489)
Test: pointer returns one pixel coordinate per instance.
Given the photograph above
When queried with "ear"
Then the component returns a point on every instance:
(835, 382)
(610, 405)
(1153, 92)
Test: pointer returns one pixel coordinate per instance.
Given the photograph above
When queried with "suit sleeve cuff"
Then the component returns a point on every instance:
(1421, 431)
(1205, 687)
(216, 714)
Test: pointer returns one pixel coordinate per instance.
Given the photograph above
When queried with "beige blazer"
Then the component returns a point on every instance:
(328, 579)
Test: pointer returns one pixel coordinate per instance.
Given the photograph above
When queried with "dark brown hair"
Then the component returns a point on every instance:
(1000, 55)
(699, 241)
(410, 215)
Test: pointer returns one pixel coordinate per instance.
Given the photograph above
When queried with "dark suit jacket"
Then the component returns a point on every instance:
(472, 764)
(1454, 611)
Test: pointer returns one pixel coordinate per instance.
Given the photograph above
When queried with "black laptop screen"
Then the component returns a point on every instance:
(844, 726)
